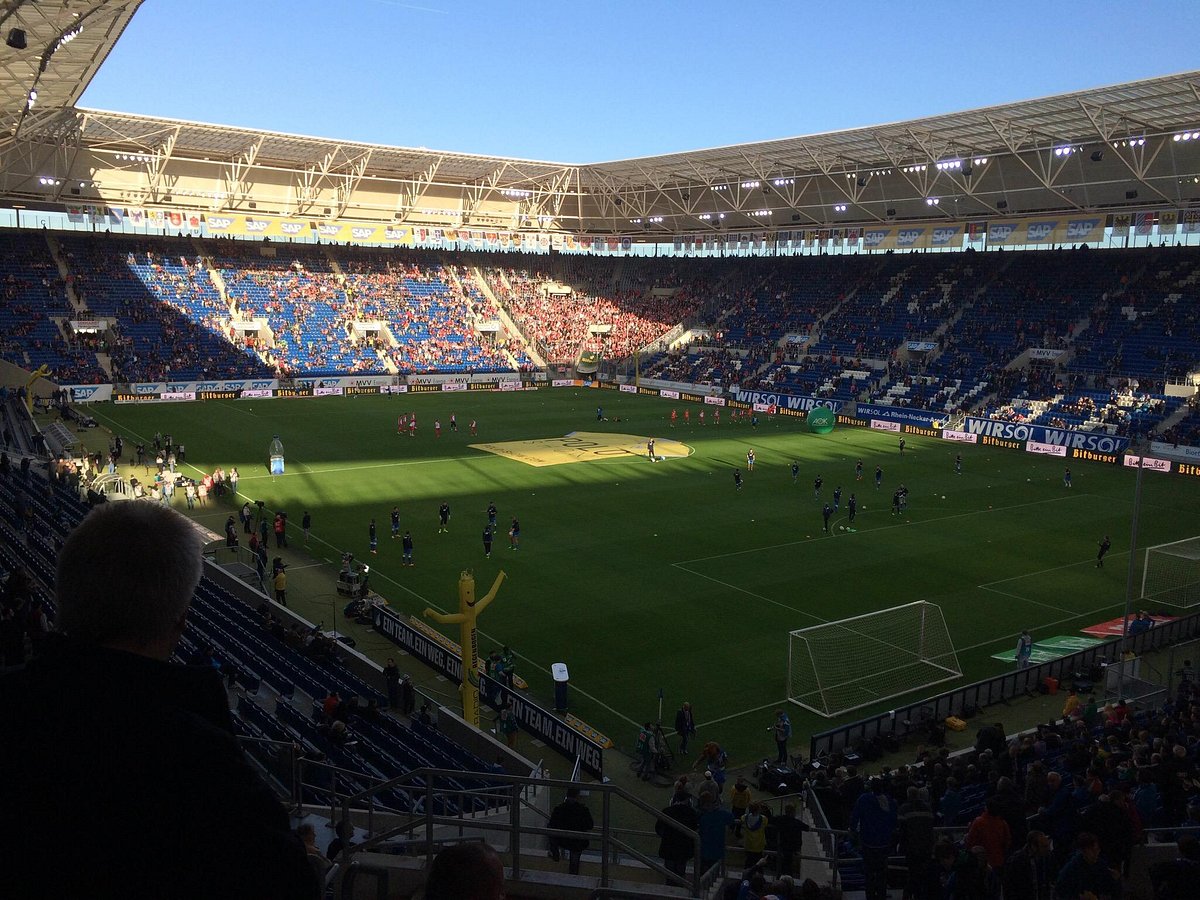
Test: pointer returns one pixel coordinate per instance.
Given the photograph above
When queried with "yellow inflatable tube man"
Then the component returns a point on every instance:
(468, 613)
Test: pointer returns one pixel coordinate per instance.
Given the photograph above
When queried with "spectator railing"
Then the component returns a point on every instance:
(913, 717)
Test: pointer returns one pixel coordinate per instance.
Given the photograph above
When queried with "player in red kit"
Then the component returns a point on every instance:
(674, 416)
(437, 428)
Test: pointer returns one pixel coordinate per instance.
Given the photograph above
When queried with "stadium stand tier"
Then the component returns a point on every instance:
(1075, 338)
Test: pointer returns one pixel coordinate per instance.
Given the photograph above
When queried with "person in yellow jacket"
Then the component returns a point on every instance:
(281, 587)
(1073, 703)
(739, 802)
(754, 833)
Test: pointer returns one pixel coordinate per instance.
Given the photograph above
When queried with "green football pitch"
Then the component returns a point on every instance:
(645, 577)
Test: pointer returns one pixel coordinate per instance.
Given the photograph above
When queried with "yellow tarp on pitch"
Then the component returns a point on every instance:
(583, 446)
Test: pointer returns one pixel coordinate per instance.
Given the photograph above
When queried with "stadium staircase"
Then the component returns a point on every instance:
(65, 272)
(480, 282)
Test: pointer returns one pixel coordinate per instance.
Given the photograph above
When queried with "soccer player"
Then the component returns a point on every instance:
(514, 535)
(817, 482)
(701, 417)
(472, 426)
(878, 477)
(716, 417)
(1067, 478)
(453, 422)
(487, 541)
(437, 428)
(896, 502)
(852, 507)
(412, 425)
(1105, 545)
(958, 464)
(826, 512)
(443, 517)
(373, 537)
(903, 498)
(674, 416)
(408, 548)
(306, 524)
(795, 472)
(395, 522)
(901, 446)
(599, 413)
(687, 417)
(399, 424)
(737, 479)
(750, 460)
(858, 471)
(837, 498)
(650, 449)
(491, 511)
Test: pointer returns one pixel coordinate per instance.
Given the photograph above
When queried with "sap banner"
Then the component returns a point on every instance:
(787, 401)
(90, 393)
(922, 418)
(1043, 434)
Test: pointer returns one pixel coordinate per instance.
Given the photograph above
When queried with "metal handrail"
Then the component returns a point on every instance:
(610, 838)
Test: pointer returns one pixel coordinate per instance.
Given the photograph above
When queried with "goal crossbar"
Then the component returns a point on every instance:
(832, 673)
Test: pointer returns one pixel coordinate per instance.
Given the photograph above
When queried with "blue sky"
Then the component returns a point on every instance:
(587, 82)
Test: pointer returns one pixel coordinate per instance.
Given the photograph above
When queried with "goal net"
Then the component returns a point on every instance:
(845, 665)
(1171, 575)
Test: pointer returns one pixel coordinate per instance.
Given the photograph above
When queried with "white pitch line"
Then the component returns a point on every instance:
(1091, 612)
(389, 465)
(744, 712)
(1022, 599)
(860, 531)
(1051, 569)
(734, 587)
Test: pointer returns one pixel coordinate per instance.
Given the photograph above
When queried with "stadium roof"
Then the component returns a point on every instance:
(1103, 149)
(65, 43)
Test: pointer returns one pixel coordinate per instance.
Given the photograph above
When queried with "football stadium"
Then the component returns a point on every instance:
(804, 518)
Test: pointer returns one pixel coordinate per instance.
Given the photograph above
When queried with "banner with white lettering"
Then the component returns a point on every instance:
(923, 418)
(1066, 437)
(544, 725)
(787, 401)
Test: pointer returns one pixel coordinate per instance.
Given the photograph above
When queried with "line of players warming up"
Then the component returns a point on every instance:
(899, 504)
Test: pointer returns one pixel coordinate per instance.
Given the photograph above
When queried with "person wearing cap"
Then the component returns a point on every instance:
(708, 790)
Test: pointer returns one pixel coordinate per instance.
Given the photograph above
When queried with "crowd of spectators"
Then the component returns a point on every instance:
(1092, 781)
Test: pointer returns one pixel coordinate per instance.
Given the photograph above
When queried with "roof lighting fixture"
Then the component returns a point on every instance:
(947, 164)
(751, 184)
(636, 221)
(780, 182)
(1187, 136)
(655, 220)
(932, 201)
(761, 212)
(31, 99)
(839, 207)
(720, 187)
(981, 160)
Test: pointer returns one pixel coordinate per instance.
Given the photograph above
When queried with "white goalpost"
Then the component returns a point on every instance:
(1171, 574)
(851, 663)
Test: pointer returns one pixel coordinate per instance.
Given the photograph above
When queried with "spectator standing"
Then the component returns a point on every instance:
(408, 696)
(391, 681)
(280, 585)
(674, 846)
(467, 871)
(788, 832)
(570, 815)
(873, 820)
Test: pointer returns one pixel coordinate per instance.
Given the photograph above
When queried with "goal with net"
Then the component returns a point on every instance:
(1171, 575)
(851, 663)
